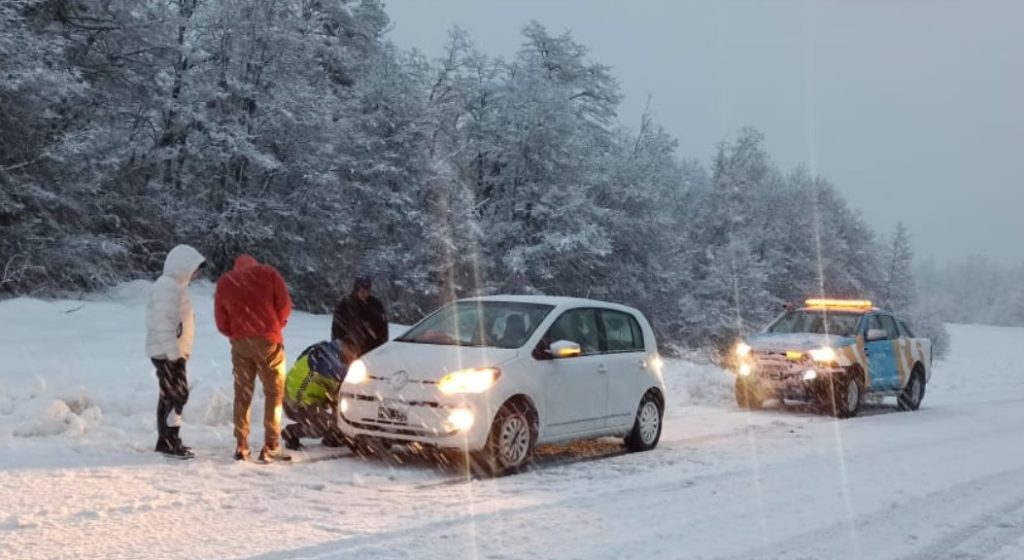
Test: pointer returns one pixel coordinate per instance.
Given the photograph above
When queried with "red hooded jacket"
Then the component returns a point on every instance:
(252, 301)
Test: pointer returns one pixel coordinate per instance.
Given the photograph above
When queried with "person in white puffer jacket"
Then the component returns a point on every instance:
(170, 331)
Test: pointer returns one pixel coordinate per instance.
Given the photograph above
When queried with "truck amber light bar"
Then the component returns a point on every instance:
(840, 303)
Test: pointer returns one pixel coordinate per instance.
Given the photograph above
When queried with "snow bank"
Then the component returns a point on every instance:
(983, 362)
(690, 383)
(75, 373)
(76, 368)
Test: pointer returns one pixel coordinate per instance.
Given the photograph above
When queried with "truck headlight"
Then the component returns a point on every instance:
(356, 373)
(824, 354)
(743, 350)
(473, 380)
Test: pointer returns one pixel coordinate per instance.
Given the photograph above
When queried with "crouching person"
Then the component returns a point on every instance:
(311, 395)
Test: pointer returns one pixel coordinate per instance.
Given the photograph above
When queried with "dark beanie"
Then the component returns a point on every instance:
(362, 282)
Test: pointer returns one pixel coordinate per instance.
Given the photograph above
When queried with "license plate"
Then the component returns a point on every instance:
(392, 415)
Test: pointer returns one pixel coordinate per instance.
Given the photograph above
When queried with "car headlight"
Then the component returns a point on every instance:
(824, 354)
(743, 350)
(357, 373)
(474, 380)
(461, 419)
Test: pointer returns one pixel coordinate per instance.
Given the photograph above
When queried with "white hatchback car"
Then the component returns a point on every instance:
(495, 376)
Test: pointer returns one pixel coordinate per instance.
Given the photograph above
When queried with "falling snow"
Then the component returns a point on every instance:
(80, 480)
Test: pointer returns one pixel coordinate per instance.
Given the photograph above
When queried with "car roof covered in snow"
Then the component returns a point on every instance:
(557, 301)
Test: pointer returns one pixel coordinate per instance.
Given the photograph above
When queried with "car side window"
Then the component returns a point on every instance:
(889, 324)
(874, 323)
(622, 331)
(906, 329)
(579, 326)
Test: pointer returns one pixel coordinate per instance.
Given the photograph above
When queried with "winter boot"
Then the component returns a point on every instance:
(176, 444)
(180, 452)
(271, 454)
(290, 442)
(163, 445)
(171, 446)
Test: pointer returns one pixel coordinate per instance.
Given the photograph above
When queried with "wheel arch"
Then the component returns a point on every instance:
(920, 368)
(859, 373)
(658, 395)
(527, 404)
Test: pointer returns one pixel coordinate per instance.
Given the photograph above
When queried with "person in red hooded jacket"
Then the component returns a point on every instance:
(252, 306)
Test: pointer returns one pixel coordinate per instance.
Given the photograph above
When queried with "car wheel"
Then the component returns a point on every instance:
(747, 396)
(913, 393)
(509, 444)
(846, 393)
(647, 426)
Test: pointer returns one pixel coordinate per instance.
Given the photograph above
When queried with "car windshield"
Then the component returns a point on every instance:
(499, 324)
(817, 322)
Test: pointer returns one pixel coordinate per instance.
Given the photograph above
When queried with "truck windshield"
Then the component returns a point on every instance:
(500, 324)
(817, 322)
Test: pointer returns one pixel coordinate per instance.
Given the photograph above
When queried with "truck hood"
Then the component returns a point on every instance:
(771, 342)
(431, 362)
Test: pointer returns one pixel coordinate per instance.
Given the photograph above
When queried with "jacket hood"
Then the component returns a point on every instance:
(431, 362)
(803, 342)
(245, 261)
(181, 263)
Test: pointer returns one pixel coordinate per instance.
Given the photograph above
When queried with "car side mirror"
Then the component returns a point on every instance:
(876, 334)
(564, 349)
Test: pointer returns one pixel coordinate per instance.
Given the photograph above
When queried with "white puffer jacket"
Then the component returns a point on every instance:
(170, 320)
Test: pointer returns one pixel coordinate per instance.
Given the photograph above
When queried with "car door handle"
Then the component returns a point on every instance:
(602, 369)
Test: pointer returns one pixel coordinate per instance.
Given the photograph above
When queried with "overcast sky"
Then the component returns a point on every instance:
(915, 110)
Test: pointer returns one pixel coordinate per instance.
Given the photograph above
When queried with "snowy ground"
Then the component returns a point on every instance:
(78, 478)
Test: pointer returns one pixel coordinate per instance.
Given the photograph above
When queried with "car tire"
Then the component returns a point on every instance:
(913, 393)
(845, 395)
(747, 396)
(509, 446)
(647, 425)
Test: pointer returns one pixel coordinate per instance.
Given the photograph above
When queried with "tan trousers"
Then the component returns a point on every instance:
(252, 357)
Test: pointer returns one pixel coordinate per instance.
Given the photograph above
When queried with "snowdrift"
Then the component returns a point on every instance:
(75, 376)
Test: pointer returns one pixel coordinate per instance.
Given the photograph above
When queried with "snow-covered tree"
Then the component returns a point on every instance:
(898, 290)
(295, 131)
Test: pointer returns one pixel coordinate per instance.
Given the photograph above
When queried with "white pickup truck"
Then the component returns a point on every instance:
(834, 352)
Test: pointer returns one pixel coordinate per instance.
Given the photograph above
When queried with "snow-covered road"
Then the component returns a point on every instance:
(944, 482)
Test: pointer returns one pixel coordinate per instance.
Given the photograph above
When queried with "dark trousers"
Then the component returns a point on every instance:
(173, 396)
(310, 421)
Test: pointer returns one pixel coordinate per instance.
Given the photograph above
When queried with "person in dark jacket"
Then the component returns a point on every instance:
(359, 320)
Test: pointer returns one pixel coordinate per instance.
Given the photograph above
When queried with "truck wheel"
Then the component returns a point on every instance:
(845, 394)
(913, 393)
(647, 425)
